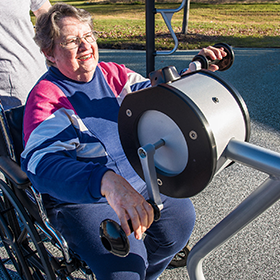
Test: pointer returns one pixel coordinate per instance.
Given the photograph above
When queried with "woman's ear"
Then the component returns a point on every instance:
(49, 56)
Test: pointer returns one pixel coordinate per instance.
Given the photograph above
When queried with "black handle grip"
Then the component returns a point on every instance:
(130, 225)
(223, 64)
(113, 236)
(156, 214)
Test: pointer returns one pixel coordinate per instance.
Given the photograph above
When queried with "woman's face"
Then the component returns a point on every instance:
(78, 63)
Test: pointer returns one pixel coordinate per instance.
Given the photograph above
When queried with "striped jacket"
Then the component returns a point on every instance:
(71, 133)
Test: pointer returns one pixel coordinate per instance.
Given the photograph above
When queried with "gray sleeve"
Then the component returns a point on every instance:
(36, 4)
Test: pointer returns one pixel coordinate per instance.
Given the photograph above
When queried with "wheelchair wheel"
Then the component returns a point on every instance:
(21, 239)
(3, 271)
(180, 259)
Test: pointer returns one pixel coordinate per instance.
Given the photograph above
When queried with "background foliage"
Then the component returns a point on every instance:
(122, 25)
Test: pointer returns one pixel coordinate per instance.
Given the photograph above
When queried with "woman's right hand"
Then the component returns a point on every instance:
(127, 203)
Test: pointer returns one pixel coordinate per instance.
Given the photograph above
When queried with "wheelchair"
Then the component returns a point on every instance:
(33, 246)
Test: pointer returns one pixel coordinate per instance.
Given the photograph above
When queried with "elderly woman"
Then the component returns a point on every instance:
(74, 157)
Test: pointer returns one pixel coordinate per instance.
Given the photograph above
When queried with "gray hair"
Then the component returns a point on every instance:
(47, 29)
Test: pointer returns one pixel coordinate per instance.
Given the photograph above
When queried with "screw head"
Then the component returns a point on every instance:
(193, 135)
(142, 153)
(128, 112)
(215, 99)
(159, 182)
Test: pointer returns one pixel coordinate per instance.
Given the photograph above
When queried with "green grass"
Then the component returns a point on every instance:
(238, 24)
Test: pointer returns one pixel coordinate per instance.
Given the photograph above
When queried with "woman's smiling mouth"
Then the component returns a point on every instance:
(85, 57)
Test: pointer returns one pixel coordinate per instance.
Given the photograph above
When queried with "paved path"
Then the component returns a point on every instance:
(254, 252)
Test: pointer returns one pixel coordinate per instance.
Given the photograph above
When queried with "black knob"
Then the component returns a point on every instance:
(113, 236)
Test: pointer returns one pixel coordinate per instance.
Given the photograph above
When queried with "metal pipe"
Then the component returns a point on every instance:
(150, 36)
(255, 204)
(43, 214)
(254, 156)
(167, 15)
(150, 32)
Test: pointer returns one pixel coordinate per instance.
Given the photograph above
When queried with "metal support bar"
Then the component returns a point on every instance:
(43, 214)
(150, 32)
(167, 15)
(146, 156)
(254, 205)
(150, 36)
(254, 156)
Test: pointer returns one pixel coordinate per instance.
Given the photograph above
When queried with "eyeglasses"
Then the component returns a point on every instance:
(74, 42)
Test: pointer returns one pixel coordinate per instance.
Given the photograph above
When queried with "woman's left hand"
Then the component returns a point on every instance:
(213, 54)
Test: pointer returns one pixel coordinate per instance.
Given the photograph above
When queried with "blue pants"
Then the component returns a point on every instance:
(79, 224)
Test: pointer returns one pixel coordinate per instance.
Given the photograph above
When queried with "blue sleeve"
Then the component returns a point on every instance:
(56, 158)
(67, 179)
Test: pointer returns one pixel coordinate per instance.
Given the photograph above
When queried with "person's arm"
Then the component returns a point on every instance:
(212, 53)
(122, 80)
(43, 9)
(55, 157)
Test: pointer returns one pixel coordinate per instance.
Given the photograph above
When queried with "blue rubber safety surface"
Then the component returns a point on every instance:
(253, 253)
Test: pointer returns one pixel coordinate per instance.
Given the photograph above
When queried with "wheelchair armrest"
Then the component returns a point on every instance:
(13, 172)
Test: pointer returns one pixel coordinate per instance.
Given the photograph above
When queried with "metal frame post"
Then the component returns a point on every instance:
(255, 204)
(150, 32)
(150, 36)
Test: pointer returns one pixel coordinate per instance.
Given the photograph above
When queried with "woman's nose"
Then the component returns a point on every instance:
(84, 43)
